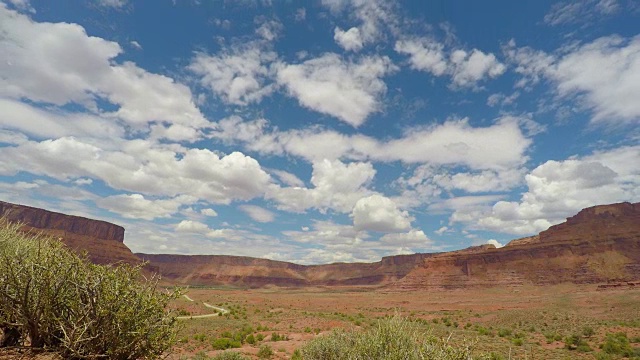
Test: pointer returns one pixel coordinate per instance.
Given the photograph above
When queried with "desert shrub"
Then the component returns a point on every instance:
(265, 352)
(390, 339)
(225, 343)
(230, 355)
(58, 300)
(618, 344)
(297, 355)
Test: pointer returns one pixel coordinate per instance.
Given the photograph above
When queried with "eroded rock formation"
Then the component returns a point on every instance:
(600, 244)
(101, 240)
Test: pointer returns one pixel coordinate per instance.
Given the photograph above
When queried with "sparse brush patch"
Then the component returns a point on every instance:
(230, 355)
(52, 298)
(390, 339)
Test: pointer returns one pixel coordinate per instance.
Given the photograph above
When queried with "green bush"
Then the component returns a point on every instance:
(618, 344)
(390, 339)
(52, 298)
(225, 343)
(265, 352)
(230, 355)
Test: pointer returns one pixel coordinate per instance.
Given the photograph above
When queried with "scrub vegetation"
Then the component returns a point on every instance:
(56, 301)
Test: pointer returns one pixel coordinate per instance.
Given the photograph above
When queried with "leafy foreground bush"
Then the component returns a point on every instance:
(53, 299)
(390, 339)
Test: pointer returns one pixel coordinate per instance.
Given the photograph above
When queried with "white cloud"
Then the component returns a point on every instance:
(270, 30)
(43, 124)
(379, 213)
(136, 206)
(288, 178)
(112, 3)
(377, 17)
(258, 213)
(190, 226)
(603, 75)
(558, 189)
(413, 239)
(470, 68)
(238, 75)
(498, 146)
(300, 14)
(442, 230)
(424, 55)
(466, 69)
(143, 167)
(329, 84)
(337, 186)
(136, 45)
(59, 63)
(456, 142)
(495, 243)
(585, 11)
(209, 212)
(349, 40)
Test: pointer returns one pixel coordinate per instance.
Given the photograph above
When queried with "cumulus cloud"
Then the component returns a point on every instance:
(470, 68)
(209, 212)
(27, 119)
(558, 189)
(376, 18)
(238, 75)
(498, 146)
(603, 75)
(379, 213)
(349, 40)
(258, 213)
(269, 30)
(190, 226)
(59, 63)
(142, 167)
(136, 206)
(332, 85)
(466, 69)
(336, 186)
(424, 54)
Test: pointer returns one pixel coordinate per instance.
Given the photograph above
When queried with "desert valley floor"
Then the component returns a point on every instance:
(491, 319)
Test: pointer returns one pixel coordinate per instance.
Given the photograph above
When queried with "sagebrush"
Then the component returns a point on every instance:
(54, 299)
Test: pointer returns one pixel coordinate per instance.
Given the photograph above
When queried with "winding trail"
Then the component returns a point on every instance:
(219, 311)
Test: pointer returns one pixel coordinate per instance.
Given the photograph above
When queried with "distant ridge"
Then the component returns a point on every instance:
(600, 244)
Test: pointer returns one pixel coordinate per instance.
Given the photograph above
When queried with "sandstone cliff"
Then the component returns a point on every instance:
(599, 244)
(253, 272)
(102, 241)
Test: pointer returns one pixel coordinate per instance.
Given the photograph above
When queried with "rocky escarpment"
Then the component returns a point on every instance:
(253, 272)
(101, 240)
(599, 244)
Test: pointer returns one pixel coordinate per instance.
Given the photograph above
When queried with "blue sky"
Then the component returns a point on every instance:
(320, 131)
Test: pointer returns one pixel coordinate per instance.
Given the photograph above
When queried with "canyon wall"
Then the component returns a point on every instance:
(598, 245)
(101, 240)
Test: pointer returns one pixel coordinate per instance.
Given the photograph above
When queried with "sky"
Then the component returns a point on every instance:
(324, 130)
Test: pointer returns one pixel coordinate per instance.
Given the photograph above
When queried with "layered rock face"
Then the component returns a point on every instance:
(599, 244)
(102, 241)
(252, 272)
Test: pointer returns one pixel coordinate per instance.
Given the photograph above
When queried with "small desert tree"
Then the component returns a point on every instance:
(52, 298)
